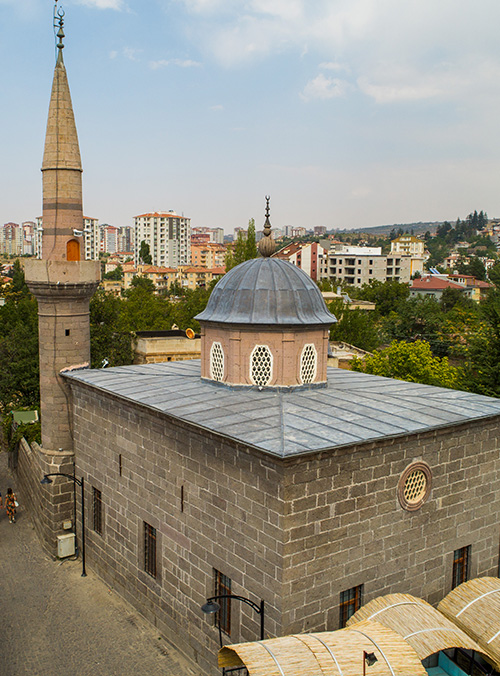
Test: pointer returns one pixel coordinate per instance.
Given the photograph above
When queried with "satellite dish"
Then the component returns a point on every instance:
(190, 334)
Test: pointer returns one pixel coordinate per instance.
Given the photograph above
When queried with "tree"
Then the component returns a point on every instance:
(250, 245)
(140, 282)
(244, 249)
(387, 296)
(475, 267)
(413, 362)
(145, 254)
(356, 327)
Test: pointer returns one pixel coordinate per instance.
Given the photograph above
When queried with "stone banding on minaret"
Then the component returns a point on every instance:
(61, 281)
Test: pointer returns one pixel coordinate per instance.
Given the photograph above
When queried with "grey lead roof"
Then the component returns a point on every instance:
(355, 407)
(267, 291)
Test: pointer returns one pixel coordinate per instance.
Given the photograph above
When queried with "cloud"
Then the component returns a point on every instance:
(131, 53)
(217, 107)
(429, 42)
(103, 4)
(333, 65)
(182, 63)
(322, 87)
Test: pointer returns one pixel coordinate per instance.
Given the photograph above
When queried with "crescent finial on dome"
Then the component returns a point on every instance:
(267, 245)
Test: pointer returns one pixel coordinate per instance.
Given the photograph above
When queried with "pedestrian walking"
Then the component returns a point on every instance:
(10, 505)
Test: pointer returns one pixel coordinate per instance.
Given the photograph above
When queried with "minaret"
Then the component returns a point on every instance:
(62, 282)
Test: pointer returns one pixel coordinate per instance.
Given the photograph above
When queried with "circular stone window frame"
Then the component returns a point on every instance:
(414, 467)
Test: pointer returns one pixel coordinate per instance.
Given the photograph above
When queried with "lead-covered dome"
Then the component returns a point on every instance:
(267, 291)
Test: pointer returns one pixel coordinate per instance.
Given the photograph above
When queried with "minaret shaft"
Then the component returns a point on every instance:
(62, 282)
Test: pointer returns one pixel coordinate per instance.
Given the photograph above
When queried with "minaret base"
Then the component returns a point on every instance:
(63, 291)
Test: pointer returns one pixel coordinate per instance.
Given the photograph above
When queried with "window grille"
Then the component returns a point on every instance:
(222, 585)
(308, 363)
(261, 365)
(216, 362)
(149, 549)
(97, 510)
(461, 565)
(351, 600)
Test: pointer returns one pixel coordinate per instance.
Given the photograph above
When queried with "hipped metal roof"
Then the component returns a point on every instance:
(334, 653)
(475, 607)
(354, 408)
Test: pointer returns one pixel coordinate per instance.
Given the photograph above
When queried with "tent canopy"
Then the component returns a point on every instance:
(335, 653)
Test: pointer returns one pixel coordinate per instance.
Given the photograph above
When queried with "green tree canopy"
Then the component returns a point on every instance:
(413, 362)
(145, 254)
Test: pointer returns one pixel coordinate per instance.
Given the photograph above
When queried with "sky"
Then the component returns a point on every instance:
(348, 113)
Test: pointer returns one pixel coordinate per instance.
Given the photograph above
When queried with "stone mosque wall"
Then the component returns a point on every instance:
(295, 532)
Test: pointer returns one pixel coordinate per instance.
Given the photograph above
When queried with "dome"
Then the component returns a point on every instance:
(267, 291)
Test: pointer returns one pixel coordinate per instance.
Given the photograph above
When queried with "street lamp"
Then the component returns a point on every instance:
(79, 482)
(368, 659)
(211, 606)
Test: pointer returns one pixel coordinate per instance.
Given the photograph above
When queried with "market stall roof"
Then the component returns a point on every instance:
(417, 622)
(474, 606)
(334, 653)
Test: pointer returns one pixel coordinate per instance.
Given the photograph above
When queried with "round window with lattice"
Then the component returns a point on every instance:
(216, 362)
(308, 364)
(261, 365)
(414, 486)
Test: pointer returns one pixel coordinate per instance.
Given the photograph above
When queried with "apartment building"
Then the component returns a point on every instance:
(11, 239)
(308, 256)
(408, 245)
(168, 236)
(356, 265)
(208, 255)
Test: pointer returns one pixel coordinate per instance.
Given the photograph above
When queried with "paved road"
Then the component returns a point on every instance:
(53, 622)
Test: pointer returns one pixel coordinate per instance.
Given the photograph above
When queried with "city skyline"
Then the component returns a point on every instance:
(349, 114)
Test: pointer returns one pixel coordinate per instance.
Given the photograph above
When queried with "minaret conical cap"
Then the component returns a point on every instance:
(61, 140)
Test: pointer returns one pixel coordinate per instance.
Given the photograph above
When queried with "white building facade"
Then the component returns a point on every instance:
(358, 265)
(168, 236)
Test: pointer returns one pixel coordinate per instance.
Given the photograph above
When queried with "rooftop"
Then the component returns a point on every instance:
(354, 408)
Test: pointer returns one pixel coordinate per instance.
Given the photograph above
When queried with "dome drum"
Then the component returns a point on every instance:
(264, 356)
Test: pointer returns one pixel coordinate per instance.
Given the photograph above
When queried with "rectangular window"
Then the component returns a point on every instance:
(222, 585)
(350, 601)
(97, 510)
(149, 549)
(461, 565)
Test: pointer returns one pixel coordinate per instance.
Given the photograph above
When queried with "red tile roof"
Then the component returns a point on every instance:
(432, 282)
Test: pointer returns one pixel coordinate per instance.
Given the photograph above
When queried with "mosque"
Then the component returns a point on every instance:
(259, 471)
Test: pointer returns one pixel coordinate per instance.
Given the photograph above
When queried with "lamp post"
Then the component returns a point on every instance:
(79, 482)
(211, 606)
(368, 659)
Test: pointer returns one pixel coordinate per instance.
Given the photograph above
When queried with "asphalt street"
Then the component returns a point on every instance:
(56, 623)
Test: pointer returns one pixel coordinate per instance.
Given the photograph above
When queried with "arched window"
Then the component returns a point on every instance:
(308, 364)
(261, 365)
(73, 250)
(216, 362)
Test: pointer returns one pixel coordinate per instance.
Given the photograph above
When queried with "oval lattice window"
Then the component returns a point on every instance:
(261, 365)
(414, 486)
(216, 362)
(308, 364)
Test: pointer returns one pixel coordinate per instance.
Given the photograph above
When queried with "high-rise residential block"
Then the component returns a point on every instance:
(168, 236)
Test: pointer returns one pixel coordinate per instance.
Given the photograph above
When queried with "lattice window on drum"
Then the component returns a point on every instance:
(308, 364)
(216, 362)
(261, 365)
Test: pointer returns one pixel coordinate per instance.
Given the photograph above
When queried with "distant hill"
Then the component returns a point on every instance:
(418, 228)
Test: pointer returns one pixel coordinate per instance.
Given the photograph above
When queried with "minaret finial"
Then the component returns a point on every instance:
(266, 245)
(59, 23)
